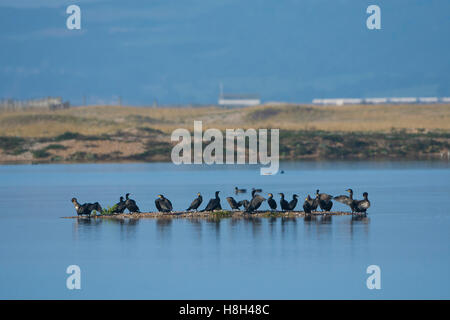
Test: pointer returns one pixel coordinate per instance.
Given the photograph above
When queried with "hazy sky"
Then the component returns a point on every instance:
(178, 51)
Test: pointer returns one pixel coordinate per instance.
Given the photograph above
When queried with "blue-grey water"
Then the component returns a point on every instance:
(406, 234)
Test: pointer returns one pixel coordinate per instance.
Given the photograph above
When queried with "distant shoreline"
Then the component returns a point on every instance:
(126, 135)
(294, 146)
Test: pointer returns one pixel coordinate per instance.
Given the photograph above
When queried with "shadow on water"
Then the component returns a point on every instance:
(214, 225)
(196, 224)
(255, 224)
(84, 225)
(319, 225)
(164, 228)
(359, 223)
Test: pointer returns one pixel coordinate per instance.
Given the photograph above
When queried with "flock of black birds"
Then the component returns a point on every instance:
(321, 200)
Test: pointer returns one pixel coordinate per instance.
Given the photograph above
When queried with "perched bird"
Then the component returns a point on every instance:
(348, 200)
(237, 190)
(362, 205)
(233, 204)
(244, 203)
(323, 196)
(163, 204)
(120, 206)
(293, 202)
(196, 203)
(86, 208)
(255, 203)
(272, 203)
(131, 204)
(213, 204)
(283, 203)
(256, 190)
(315, 203)
(307, 205)
(325, 202)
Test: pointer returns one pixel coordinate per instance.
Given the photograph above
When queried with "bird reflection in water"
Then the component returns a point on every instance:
(255, 225)
(214, 223)
(196, 226)
(83, 226)
(359, 222)
(326, 219)
(127, 227)
(288, 224)
(163, 227)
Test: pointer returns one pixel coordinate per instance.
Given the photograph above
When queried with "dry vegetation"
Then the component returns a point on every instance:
(110, 133)
(109, 119)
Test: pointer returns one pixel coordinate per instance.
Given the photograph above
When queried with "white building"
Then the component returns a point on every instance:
(239, 100)
(49, 103)
(338, 102)
(393, 100)
(375, 100)
(403, 100)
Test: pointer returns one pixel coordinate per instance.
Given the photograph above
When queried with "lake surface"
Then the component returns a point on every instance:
(406, 234)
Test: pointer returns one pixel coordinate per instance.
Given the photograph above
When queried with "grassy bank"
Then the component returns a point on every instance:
(91, 134)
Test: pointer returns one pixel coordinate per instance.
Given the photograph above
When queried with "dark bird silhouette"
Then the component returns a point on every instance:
(255, 203)
(315, 203)
(293, 202)
(196, 203)
(237, 190)
(120, 206)
(272, 203)
(348, 200)
(233, 204)
(307, 205)
(325, 202)
(257, 190)
(131, 204)
(323, 196)
(163, 204)
(244, 203)
(362, 205)
(213, 204)
(86, 208)
(283, 203)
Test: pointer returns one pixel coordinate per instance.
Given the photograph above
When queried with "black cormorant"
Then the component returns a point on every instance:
(307, 205)
(293, 202)
(325, 202)
(272, 203)
(315, 203)
(163, 204)
(131, 204)
(283, 203)
(196, 203)
(86, 208)
(362, 205)
(233, 204)
(255, 203)
(120, 206)
(213, 204)
(348, 200)
(244, 203)
(237, 190)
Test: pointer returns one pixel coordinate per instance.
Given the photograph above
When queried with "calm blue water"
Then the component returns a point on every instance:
(406, 234)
